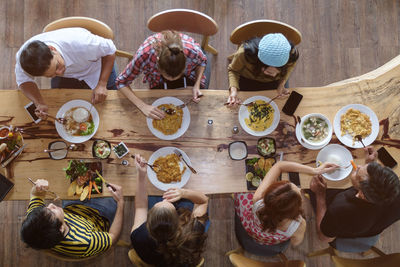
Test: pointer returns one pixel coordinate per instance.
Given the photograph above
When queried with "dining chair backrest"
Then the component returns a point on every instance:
(93, 25)
(137, 261)
(239, 260)
(67, 259)
(185, 20)
(259, 28)
(390, 260)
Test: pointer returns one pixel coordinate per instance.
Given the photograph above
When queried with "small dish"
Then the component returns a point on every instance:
(59, 154)
(120, 150)
(256, 169)
(238, 150)
(101, 149)
(315, 118)
(266, 146)
(339, 155)
(4, 131)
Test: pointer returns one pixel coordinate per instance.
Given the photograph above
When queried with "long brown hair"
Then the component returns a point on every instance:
(171, 58)
(183, 246)
(280, 202)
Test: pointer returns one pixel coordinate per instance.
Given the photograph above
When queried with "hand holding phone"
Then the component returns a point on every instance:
(292, 103)
(31, 108)
(386, 158)
(294, 178)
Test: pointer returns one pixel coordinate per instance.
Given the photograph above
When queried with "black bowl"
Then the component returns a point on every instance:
(268, 140)
(235, 142)
(95, 143)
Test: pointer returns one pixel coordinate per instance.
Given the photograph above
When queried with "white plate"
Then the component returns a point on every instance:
(298, 136)
(244, 113)
(347, 139)
(185, 120)
(162, 152)
(345, 158)
(61, 113)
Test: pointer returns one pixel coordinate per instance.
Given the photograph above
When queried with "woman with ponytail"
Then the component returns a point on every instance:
(261, 63)
(266, 220)
(169, 230)
(167, 60)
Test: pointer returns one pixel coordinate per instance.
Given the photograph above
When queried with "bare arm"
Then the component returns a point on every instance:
(196, 86)
(31, 91)
(288, 166)
(100, 92)
(298, 236)
(141, 204)
(199, 199)
(147, 110)
(116, 226)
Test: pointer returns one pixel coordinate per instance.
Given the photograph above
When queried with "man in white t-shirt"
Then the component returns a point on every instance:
(72, 57)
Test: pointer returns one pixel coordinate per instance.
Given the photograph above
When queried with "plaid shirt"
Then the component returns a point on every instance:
(145, 61)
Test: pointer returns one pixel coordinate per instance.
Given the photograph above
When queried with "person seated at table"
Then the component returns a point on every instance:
(72, 57)
(173, 231)
(261, 63)
(364, 210)
(167, 60)
(79, 229)
(266, 220)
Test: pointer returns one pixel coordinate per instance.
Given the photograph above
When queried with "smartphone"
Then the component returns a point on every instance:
(386, 158)
(294, 178)
(5, 186)
(292, 103)
(30, 108)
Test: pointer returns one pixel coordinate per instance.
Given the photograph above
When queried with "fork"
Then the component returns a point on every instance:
(177, 152)
(172, 111)
(60, 120)
(151, 166)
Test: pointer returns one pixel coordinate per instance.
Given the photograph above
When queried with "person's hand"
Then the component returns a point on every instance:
(370, 154)
(99, 94)
(153, 112)
(116, 192)
(41, 111)
(283, 92)
(40, 187)
(196, 94)
(326, 167)
(140, 163)
(233, 98)
(318, 185)
(173, 194)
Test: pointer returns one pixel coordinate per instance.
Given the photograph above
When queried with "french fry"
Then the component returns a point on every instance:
(354, 165)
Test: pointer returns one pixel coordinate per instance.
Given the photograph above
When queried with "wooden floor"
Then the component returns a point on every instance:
(341, 39)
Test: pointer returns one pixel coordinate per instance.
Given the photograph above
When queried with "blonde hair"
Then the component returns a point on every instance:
(171, 58)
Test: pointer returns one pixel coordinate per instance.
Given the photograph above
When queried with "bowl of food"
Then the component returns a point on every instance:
(315, 129)
(256, 169)
(266, 146)
(238, 150)
(121, 150)
(339, 155)
(101, 149)
(81, 121)
(4, 131)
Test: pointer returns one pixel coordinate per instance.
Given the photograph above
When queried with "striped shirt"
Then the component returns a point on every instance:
(88, 231)
(145, 61)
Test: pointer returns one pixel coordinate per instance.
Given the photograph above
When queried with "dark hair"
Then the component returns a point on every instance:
(40, 230)
(35, 58)
(171, 58)
(382, 185)
(188, 242)
(280, 202)
(251, 56)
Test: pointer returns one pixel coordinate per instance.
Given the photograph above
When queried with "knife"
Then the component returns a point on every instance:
(177, 152)
(13, 156)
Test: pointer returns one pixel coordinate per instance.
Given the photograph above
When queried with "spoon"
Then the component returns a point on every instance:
(359, 139)
(70, 147)
(172, 111)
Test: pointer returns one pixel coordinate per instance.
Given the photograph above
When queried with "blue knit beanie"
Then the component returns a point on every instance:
(274, 50)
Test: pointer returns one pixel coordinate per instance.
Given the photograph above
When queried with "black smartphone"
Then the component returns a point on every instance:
(30, 108)
(386, 158)
(5, 186)
(292, 103)
(294, 178)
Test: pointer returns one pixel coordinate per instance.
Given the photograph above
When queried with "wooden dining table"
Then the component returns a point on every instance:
(205, 144)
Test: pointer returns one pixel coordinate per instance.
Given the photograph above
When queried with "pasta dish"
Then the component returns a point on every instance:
(354, 122)
(171, 122)
(169, 169)
(261, 116)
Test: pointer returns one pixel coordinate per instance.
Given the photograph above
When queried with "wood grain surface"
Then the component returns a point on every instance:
(205, 145)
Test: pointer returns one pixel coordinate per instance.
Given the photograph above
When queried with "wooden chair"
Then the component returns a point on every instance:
(93, 25)
(258, 28)
(120, 243)
(364, 245)
(185, 20)
(390, 260)
(137, 261)
(238, 259)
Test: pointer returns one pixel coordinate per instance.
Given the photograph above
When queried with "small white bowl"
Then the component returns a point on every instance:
(5, 127)
(326, 139)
